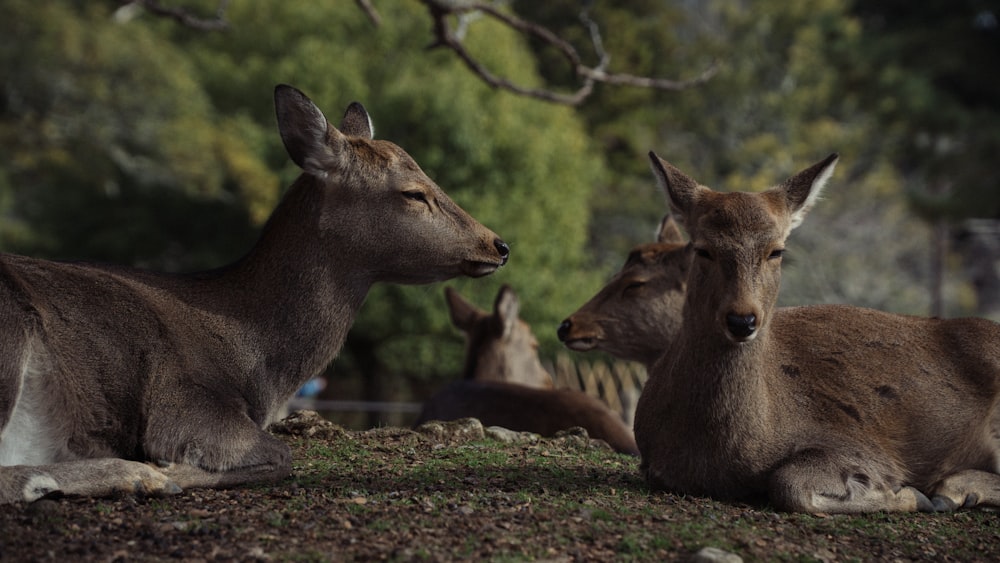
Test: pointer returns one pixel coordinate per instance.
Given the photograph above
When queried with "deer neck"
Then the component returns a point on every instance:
(729, 376)
(296, 292)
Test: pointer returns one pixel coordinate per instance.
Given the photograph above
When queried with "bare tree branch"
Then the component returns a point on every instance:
(369, 10)
(185, 17)
(440, 10)
(451, 38)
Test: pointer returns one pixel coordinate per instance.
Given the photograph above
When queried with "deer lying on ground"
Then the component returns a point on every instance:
(823, 408)
(505, 384)
(637, 314)
(104, 368)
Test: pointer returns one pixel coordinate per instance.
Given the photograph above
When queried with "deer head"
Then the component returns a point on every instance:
(638, 313)
(738, 240)
(403, 227)
(500, 346)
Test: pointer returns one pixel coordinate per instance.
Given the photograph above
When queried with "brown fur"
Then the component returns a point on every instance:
(821, 409)
(637, 314)
(506, 385)
(104, 368)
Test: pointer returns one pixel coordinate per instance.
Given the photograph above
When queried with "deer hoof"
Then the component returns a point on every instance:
(39, 486)
(944, 504)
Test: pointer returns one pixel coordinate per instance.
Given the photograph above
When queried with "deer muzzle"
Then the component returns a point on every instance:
(742, 328)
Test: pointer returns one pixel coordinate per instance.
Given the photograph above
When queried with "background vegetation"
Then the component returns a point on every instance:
(131, 138)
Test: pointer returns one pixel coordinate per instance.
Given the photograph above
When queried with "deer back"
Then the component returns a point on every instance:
(527, 409)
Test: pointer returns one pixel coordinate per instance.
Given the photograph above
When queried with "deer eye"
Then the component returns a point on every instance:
(702, 253)
(415, 195)
(776, 253)
(632, 286)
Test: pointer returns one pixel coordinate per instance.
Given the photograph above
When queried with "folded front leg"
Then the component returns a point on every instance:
(815, 480)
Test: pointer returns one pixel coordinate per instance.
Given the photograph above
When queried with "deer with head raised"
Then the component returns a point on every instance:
(637, 313)
(821, 408)
(505, 384)
(118, 379)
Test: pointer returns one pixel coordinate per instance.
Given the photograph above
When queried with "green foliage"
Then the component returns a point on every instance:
(111, 145)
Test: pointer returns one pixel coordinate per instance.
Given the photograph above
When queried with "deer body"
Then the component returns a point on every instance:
(821, 409)
(105, 368)
(505, 384)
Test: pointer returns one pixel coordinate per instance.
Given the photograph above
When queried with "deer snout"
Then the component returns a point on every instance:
(741, 327)
(563, 331)
(503, 249)
(577, 338)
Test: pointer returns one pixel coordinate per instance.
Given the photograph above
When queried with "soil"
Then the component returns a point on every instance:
(459, 492)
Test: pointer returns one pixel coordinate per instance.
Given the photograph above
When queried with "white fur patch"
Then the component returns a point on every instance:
(28, 437)
(38, 486)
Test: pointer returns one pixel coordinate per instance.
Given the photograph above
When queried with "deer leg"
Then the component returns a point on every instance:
(84, 477)
(966, 489)
(206, 444)
(816, 481)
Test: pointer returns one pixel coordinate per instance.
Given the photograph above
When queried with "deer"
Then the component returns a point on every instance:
(637, 313)
(504, 383)
(816, 409)
(115, 380)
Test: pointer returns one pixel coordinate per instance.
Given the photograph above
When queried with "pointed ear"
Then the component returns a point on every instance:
(308, 137)
(505, 309)
(681, 190)
(357, 122)
(669, 231)
(463, 314)
(802, 190)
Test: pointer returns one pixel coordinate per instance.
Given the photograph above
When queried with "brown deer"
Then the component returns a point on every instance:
(118, 379)
(499, 346)
(505, 384)
(638, 313)
(823, 408)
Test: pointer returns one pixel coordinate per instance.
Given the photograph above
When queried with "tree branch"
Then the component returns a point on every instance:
(186, 18)
(445, 37)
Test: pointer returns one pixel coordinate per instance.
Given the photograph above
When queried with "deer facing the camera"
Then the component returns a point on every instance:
(820, 409)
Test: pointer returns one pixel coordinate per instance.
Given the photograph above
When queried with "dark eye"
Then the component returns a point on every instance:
(415, 196)
(777, 253)
(702, 253)
(632, 286)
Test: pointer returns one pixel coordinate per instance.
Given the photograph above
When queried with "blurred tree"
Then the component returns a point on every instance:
(113, 148)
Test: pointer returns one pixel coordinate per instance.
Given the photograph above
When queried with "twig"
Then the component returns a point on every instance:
(184, 17)
(444, 36)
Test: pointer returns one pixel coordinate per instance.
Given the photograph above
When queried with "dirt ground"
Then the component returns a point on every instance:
(457, 492)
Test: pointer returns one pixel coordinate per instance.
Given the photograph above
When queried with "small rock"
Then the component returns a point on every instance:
(462, 430)
(308, 424)
(715, 555)
(508, 436)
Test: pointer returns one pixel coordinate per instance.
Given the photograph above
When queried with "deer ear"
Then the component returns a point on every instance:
(505, 309)
(669, 231)
(802, 190)
(357, 122)
(681, 190)
(308, 137)
(463, 314)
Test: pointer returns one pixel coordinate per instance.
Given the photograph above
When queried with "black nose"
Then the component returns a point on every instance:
(563, 330)
(741, 326)
(503, 249)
